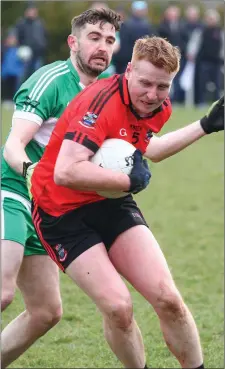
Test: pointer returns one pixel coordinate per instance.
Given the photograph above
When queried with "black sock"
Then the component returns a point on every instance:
(200, 367)
(147, 367)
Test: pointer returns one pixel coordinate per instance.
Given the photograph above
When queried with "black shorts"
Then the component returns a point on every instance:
(69, 235)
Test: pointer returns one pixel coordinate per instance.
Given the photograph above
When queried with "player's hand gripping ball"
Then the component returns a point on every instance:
(120, 155)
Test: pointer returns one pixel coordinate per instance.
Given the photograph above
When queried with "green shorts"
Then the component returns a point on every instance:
(17, 224)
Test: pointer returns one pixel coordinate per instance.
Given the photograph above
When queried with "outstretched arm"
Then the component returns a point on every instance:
(173, 142)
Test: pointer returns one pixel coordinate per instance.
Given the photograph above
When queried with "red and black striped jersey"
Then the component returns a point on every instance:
(101, 111)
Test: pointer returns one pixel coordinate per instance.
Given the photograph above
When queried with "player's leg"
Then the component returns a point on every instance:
(93, 272)
(13, 238)
(11, 259)
(138, 257)
(38, 282)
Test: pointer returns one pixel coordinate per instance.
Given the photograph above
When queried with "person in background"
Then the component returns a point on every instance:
(206, 46)
(12, 69)
(31, 32)
(132, 29)
(122, 12)
(193, 22)
(172, 28)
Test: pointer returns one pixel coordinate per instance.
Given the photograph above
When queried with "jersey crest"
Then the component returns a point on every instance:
(89, 120)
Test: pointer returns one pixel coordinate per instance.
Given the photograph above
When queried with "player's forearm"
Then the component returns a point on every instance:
(174, 142)
(88, 176)
(14, 154)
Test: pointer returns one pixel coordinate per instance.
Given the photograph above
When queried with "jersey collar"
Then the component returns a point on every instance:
(125, 97)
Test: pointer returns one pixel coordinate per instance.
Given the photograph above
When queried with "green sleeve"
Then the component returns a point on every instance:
(37, 96)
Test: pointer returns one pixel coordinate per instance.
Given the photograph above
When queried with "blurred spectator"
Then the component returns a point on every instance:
(133, 28)
(122, 12)
(192, 22)
(99, 5)
(172, 28)
(12, 69)
(206, 46)
(31, 33)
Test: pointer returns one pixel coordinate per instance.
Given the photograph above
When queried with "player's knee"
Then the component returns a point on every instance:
(121, 314)
(48, 316)
(170, 305)
(54, 314)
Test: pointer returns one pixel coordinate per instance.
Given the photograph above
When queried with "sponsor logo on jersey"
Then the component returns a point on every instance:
(148, 136)
(135, 128)
(62, 253)
(89, 120)
(32, 103)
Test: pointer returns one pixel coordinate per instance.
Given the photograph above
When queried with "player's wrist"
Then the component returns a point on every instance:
(201, 126)
(205, 125)
(126, 182)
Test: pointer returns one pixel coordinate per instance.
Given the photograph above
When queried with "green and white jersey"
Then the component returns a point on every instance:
(41, 99)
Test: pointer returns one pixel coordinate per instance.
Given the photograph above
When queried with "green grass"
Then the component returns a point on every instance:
(184, 208)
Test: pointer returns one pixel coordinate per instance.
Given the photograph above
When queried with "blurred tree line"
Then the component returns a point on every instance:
(57, 16)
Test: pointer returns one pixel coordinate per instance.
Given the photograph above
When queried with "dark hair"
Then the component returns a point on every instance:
(93, 16)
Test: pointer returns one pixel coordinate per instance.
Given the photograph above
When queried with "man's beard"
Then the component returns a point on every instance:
(87, 69)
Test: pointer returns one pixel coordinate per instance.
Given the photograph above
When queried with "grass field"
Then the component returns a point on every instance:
(184, 208)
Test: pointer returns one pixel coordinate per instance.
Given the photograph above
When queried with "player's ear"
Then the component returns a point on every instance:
(72, 42)
(128, 70)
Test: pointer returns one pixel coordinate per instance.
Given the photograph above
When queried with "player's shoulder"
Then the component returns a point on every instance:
(54, 67)
(99, 91)
(48, 73)
(104, 84)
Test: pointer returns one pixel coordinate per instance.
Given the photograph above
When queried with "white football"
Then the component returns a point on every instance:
(117, 155)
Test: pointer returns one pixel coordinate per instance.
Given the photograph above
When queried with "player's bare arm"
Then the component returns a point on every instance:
(74, 170)
(171, 143)
(21, 134)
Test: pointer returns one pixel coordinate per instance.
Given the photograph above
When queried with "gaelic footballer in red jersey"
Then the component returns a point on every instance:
(95, 240)
(103, 110)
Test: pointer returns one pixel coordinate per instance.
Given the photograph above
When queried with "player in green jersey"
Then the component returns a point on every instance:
(38, 104)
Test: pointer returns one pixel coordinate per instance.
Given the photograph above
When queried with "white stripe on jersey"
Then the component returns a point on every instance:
(28, 116)
(59, 66)
(43, 78)
(48, 83)
(41, 83)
